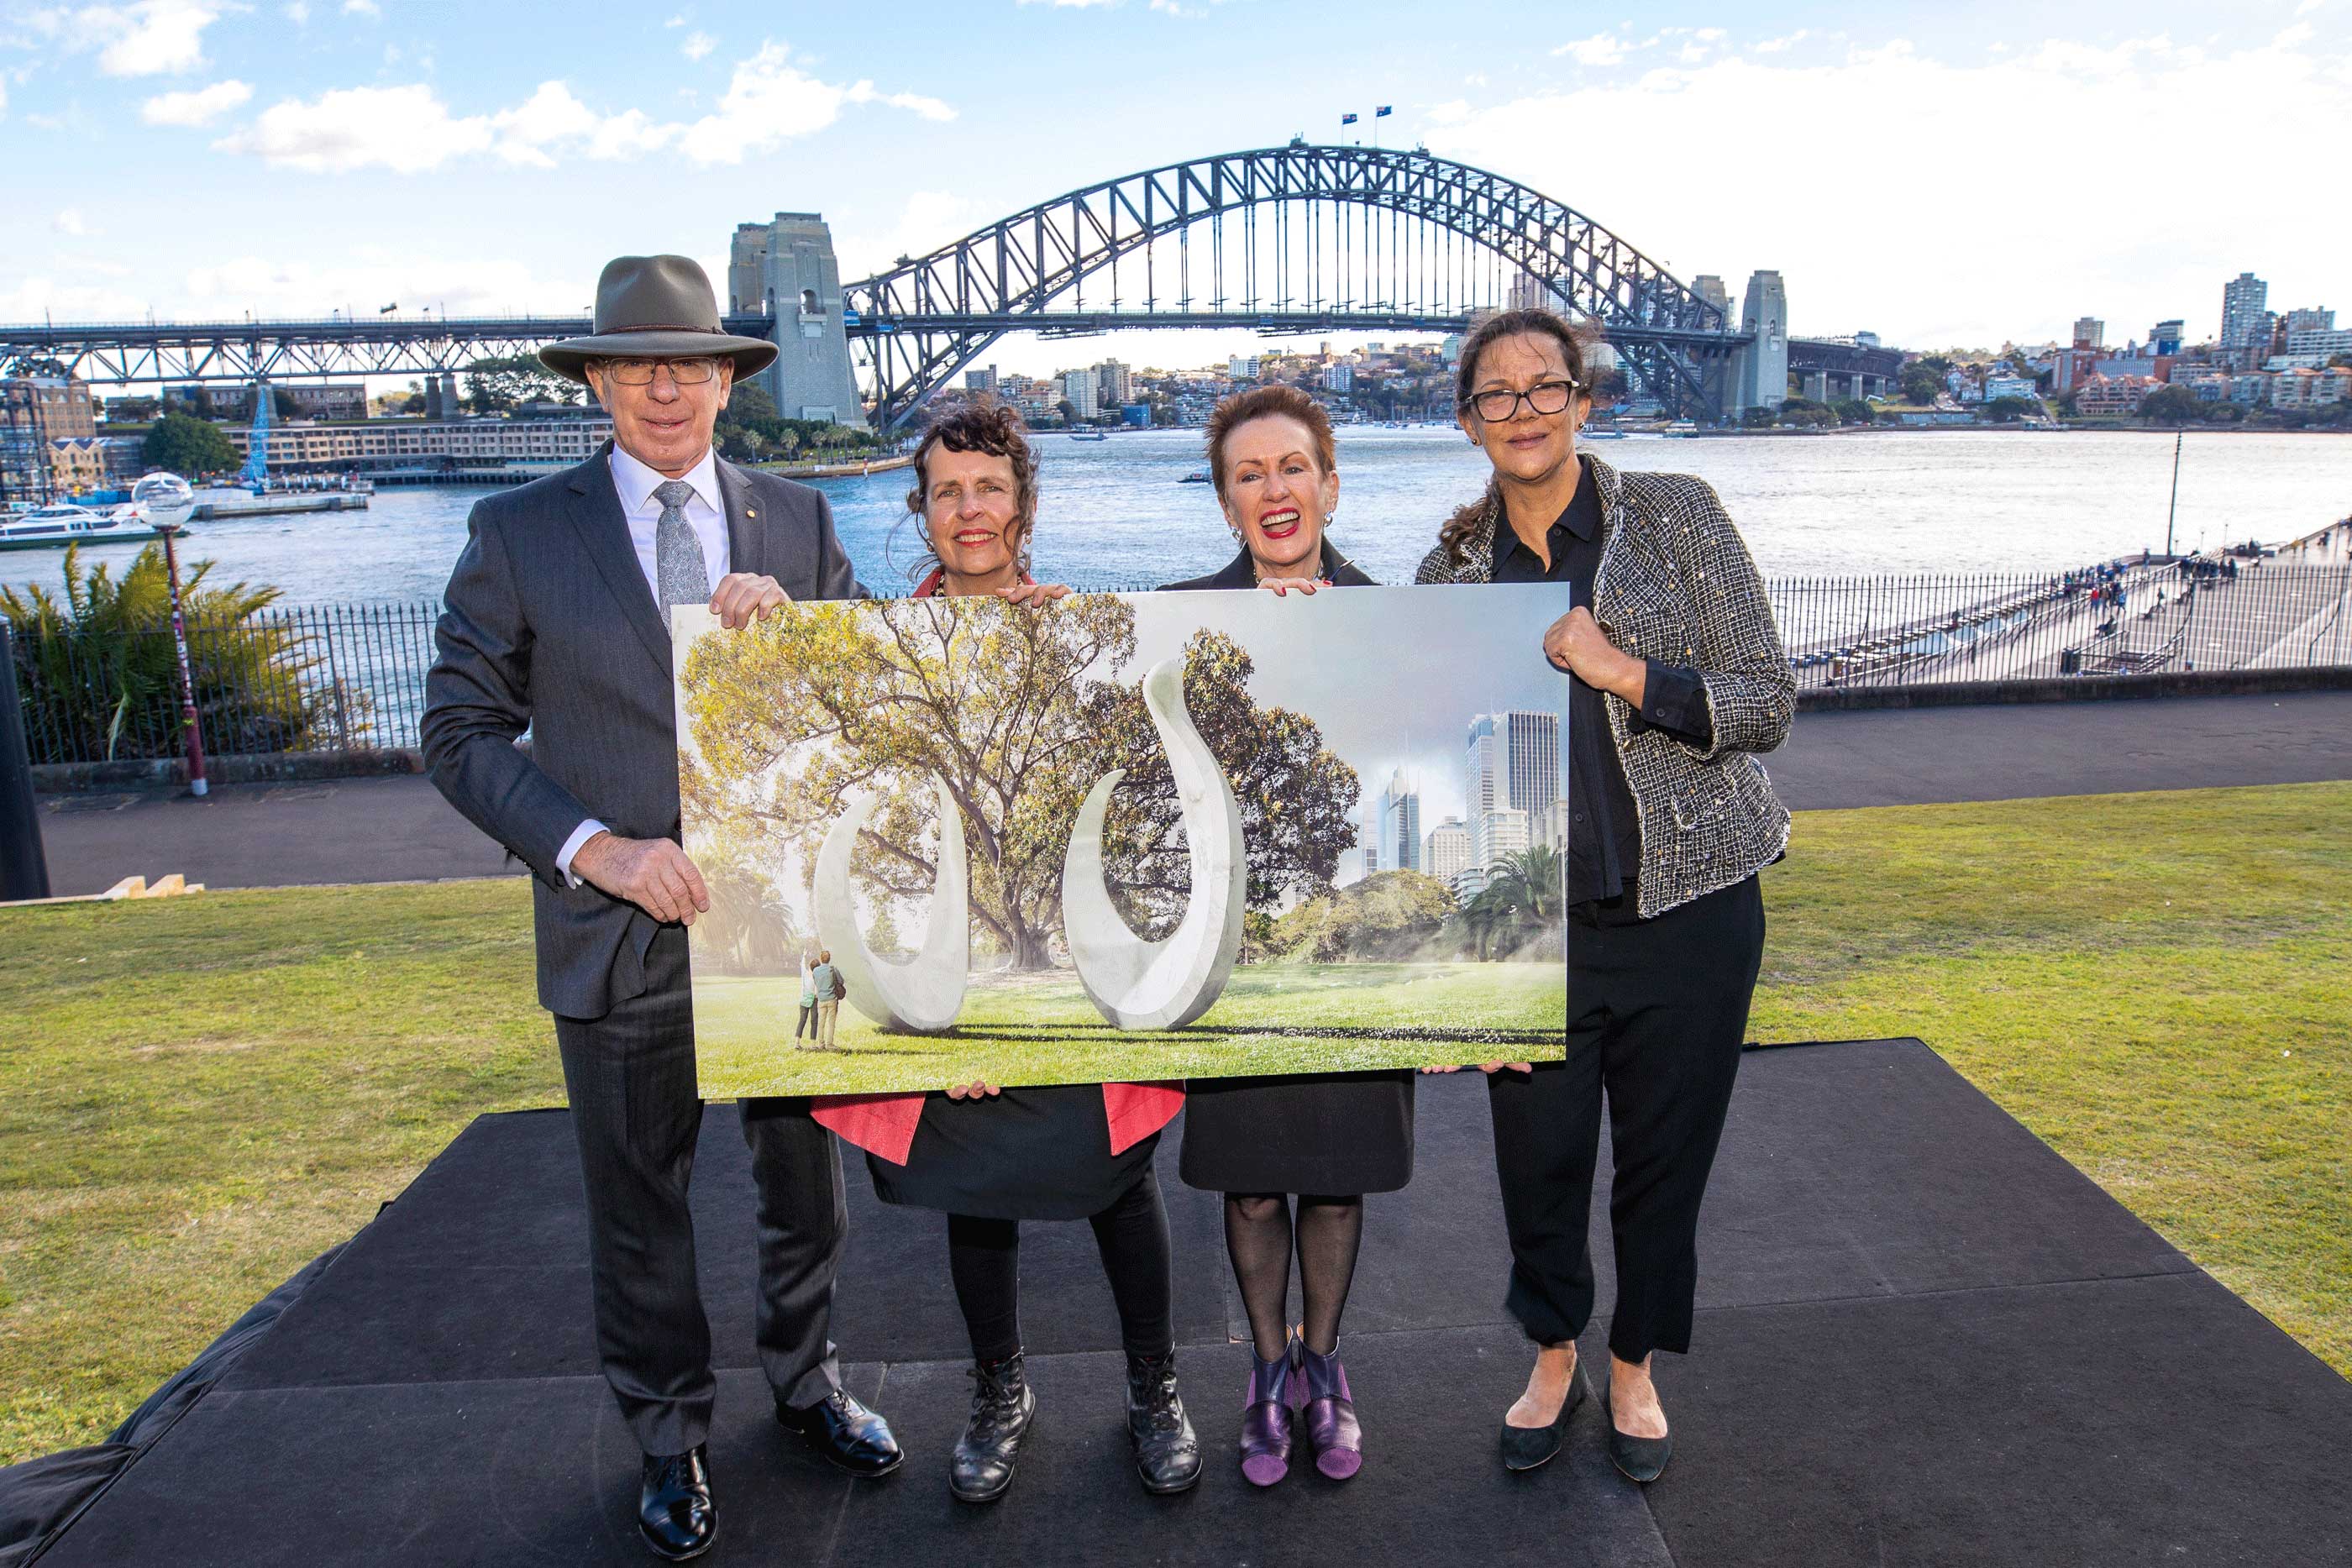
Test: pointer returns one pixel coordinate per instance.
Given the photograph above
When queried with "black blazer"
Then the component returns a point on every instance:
(1338, 570)
(550, 627)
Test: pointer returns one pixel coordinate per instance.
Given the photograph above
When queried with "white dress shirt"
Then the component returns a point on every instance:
(705, 514)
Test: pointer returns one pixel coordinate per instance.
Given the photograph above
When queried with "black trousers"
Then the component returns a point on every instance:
(1657, 1012)
(630, 1077)
(985, 1258)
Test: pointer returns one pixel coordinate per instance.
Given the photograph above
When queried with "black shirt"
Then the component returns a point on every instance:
(1604, 831)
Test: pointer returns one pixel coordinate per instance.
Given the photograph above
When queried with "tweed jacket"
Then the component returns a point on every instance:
(1675, 584)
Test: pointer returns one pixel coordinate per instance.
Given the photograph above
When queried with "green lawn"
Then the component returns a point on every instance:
(197, 1095)
(1042, 1030)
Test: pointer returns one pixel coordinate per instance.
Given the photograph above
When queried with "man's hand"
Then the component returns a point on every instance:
(652, 873)
(1577, 643)
(742, 597)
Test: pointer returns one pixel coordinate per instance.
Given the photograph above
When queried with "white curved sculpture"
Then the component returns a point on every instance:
(922, 993)
(1136, 984)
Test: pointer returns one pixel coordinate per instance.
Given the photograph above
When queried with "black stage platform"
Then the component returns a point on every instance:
(1924, 1338)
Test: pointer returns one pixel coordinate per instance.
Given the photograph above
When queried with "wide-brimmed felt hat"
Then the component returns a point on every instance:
(655, 307)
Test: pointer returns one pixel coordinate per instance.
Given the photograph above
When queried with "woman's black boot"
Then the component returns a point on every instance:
(1002, 1405)
(1167, 1454)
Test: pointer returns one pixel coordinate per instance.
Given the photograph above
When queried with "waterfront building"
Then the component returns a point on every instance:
(330, 399)
(1709, 288)
(2109, 395)
(1241, 367)
(1445, 853)
(1865, 340)
(2304, 388)
(35, 412)
(1080, 391)
(2319, 319)
(2070, 367)
(1339, 378)
(1114, 383)
(78, 465)
(2250, 388)
(2010, 386)
(2243, 311)
(411, 442)
(980, 381)
(2090, 332)
(1398, 836)
(2311, 348)
(2165, 336)
(2207, 386)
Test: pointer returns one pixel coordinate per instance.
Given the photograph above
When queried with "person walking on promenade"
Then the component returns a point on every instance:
(1320, 1141)
(556, 624)
(1680, 678)
(989, 1157)
(825, 980)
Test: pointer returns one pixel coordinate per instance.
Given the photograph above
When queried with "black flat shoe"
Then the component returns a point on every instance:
(1167, 1454)
(1003, 1407)
(1641, 1459)
(675, 1517)
(1527, 1448)
(846, 1432)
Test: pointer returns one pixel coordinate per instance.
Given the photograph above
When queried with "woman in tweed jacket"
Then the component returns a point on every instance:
(1680, 679)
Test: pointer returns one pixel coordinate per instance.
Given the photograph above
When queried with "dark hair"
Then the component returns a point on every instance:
(986, 425)
(1576, 346)
(1262, 402)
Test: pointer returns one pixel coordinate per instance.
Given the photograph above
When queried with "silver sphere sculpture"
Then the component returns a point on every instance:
(163, 500)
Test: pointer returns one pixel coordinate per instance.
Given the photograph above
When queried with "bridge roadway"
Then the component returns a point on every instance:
(399, 829)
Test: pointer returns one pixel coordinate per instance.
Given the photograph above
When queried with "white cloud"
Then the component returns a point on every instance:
(1601, 50)
(929, 219)
(1984, 256)
(409, 128)
(696, 44)
(152, 37)
(1786, 41)
(370, 276)
(299, 13)
(199, 108)
(70, 222)
(405, 129)
(367, 9)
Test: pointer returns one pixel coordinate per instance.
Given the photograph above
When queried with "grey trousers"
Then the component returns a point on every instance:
(630, 1076)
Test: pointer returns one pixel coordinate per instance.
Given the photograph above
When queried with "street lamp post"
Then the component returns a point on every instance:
(197, 785)
(24, 869)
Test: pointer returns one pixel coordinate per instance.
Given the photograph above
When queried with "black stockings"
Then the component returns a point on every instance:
(984, 1259)
(1260, 1236)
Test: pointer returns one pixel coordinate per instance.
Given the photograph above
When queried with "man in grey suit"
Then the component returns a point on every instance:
(556, 624)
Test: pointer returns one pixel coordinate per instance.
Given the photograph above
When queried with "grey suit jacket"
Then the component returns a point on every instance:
(550, 627)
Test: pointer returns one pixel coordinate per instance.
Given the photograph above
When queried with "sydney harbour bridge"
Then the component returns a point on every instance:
(1285, 241)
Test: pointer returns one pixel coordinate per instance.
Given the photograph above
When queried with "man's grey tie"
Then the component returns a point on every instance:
(684, 577)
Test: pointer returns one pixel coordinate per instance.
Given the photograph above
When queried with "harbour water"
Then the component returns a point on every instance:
(1114, 514)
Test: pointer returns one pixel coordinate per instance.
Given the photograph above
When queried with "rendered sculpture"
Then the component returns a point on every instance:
(922, 993)
(1136, 984)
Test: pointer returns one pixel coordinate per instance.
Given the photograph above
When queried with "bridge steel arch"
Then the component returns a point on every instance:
(927, 317)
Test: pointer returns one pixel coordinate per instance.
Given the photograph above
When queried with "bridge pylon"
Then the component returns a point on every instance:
(785, 271)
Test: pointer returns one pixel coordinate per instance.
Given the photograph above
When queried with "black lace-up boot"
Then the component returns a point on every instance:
(1002, 1405)
(1167, 1454)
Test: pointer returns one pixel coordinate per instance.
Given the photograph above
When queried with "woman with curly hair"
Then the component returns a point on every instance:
(989, 1157)
(1680, 679)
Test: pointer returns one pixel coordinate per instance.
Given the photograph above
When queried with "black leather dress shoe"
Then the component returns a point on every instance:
(1167, 1454)
(846, 1432)
(1003, 1406)
(675, 1513)
(1527, 1447)
(1640, 1459)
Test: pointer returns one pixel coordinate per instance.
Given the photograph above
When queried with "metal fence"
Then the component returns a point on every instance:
(345, 678)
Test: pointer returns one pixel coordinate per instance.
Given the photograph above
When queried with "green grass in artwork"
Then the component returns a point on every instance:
(1040, 1029)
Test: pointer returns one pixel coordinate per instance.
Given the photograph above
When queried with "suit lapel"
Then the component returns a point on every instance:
(595, 506)
(747, 534)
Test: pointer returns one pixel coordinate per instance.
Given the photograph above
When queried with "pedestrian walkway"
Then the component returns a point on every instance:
(399, 829)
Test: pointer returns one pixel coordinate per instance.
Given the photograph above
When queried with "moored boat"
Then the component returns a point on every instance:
(65, 524)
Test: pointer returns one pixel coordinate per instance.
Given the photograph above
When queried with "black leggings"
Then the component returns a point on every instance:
(985, 1258)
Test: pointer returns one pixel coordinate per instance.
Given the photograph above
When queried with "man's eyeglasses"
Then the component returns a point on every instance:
(640, 372)
(1544, 397)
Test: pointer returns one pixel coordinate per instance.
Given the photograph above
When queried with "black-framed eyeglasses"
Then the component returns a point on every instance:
(640, 372)
(1502, 403)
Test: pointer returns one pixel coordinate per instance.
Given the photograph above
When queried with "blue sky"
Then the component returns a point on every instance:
(1940, 174)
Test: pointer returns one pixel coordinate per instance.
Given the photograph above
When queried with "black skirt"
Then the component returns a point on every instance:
(1026, 1154)
(1335, 1134)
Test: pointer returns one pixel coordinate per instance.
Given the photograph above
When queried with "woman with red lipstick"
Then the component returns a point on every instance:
(1679, 680)
(1317, 1141)
(991, 1158)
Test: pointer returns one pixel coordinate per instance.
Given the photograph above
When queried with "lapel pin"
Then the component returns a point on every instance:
(749, 513)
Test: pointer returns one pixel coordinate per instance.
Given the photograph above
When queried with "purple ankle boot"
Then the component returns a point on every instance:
(1266, 1419)
(1331, 1415)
